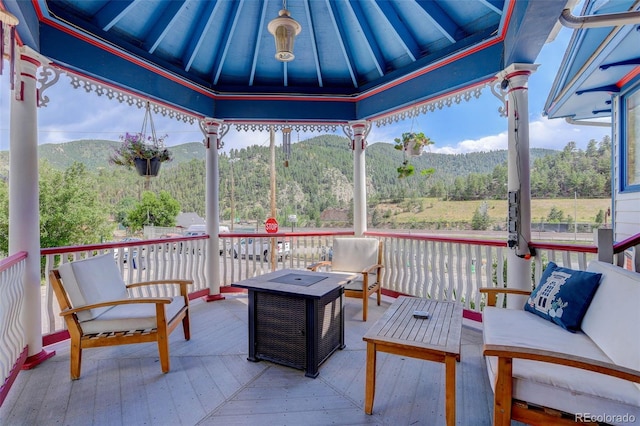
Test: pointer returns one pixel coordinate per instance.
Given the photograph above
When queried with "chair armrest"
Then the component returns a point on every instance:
(314, 266)
(520, 352)
(492, 293)
(155, 300)
(182, 283)
(371, 268)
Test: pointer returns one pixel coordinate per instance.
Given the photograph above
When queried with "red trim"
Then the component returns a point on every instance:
(565, 247)
(626, 244)
(472, 315)
(517, 73)
(35, 360)
(392, 293)
(12, 260)
(227, 289)
(627, 78)
(27, 58)
(439, 238)
(6, 386)
(24, 74)
(213, 297)
(198, 294)
(513, 89)
(106, 246)
(58, 336)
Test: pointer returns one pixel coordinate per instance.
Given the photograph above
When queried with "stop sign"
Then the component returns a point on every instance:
(271, 225)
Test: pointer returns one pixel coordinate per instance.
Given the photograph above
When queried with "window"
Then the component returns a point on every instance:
(631, 168)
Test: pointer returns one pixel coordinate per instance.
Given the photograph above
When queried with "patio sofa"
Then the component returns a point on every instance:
(544, 374)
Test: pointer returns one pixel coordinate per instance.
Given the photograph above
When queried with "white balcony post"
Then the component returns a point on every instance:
(514, 81)
(24, 209)
(212, 142)
(358, 131)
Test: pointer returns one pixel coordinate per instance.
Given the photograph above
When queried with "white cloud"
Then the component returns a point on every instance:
(543, 133)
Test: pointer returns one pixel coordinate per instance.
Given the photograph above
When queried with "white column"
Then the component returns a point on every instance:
(24, 209)
(359, 131)
(212, 128)
(514, 79)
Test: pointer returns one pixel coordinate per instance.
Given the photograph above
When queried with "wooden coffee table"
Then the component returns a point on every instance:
(434, 339)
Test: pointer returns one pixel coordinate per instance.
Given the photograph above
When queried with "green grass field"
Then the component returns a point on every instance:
(459, 211)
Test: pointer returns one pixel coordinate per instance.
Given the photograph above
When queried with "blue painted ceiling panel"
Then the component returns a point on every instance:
(347, 48)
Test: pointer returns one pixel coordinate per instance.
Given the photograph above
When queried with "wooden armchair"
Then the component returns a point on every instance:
(361, 258)
(99, 311)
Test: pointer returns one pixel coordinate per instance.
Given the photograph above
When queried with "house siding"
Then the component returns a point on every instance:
(626, 205)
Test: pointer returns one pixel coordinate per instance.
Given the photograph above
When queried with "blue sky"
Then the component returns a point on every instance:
(467, 127)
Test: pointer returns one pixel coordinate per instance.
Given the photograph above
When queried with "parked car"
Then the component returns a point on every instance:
(125, 253)
(200, 229)
(252, 248)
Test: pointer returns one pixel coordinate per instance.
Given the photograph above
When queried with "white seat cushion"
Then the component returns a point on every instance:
(564, 388)
(138, 316)
(354, 254)
(92, 280)
(613, 318)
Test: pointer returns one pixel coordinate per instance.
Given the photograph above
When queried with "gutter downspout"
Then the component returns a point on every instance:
(587, 123)
(595, 21)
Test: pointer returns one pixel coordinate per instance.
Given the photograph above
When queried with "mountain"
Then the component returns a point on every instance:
(94, 154)
(319, 174)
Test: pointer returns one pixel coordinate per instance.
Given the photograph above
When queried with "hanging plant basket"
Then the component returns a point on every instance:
(412, 143)
(142, 152)
(413, 148)
(147, 166)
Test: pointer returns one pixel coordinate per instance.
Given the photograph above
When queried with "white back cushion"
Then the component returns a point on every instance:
(354, 254)
(93, 280)
(613, 318)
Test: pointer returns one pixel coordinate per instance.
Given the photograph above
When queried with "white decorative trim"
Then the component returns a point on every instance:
(364, 127)
(431, 105)
(501, 94)
(298, 127)
(47, 77)
(348, 130)
(101, 89)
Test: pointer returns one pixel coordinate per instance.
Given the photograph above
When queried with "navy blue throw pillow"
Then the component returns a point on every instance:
(563, 296)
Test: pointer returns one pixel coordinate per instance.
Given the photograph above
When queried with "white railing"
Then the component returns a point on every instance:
(447, 268)
(438, 267)
(244, 257)
(13, 341)
(138, 261)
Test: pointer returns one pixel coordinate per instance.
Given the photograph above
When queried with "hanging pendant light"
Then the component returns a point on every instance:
(284, 28)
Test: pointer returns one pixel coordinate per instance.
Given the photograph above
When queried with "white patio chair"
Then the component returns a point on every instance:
(361, 257)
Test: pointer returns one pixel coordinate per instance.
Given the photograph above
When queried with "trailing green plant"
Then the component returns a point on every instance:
(411, 144)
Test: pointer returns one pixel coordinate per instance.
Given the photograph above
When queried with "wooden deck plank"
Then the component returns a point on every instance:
(57, 395)
(212, 383)
(134, 404)
(108, 392)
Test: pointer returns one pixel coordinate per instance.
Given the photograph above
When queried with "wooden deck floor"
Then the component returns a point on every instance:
(212, 383)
